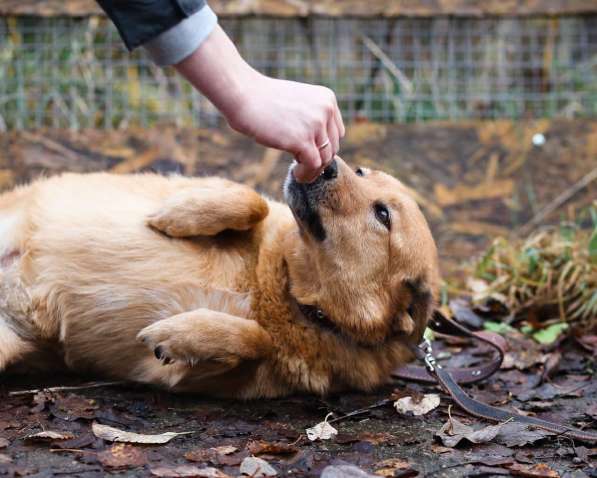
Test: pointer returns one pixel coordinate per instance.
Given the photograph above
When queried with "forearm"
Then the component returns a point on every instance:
(218, 71)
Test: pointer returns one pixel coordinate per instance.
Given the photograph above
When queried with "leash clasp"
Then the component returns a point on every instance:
(430, 362)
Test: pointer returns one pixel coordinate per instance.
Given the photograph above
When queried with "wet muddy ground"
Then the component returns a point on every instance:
(224, 433)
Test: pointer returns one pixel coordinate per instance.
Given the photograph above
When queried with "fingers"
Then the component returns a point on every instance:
(339, 121)
(309, 164)
(325, 147)
(334, 137)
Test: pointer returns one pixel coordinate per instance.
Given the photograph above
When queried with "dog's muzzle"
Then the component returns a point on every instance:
(304, 198)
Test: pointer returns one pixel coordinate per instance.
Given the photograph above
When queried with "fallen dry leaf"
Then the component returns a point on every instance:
(260, 447)
(423, 406)
(4, 459)
(518, 434)
(49, 436)
(202, 455)
(377, 438)
(122, 455)
(453, 432)
(108, 433)
(225, 450)
(187, 471)
(390, 466)
(509, 434)
(540, 470)
(73, 407)
(321, 431)
(256, 467)
(4, 443)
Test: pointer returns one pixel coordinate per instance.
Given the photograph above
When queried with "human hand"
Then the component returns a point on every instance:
(299, 118)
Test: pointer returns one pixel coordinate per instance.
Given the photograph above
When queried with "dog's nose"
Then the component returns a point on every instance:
(331, 172)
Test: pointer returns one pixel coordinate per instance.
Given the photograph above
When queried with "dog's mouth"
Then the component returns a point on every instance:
(304, 199)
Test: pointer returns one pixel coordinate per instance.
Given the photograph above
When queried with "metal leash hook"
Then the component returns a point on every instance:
(424, 352)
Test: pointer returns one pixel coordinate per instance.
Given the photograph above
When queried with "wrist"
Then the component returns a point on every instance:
(218, 71)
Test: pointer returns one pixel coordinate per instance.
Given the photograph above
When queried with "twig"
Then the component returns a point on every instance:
(360, 411)
(85, 386)
(72, 450)
(388, 63)
(558, 201)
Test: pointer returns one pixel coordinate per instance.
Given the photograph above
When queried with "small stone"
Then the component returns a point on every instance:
(256, 467)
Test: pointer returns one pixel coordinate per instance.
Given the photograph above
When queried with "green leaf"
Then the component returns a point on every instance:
(498, 327)
(527, 329)
(593, 246)
(550, 334)
(531, 255)
(429, 335)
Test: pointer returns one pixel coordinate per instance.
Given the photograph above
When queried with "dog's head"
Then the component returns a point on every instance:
(364, 257)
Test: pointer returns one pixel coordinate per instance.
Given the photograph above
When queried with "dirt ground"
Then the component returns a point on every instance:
(474, 181)
(378, 440)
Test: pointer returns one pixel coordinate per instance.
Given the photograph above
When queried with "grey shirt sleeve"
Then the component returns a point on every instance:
(179, 41)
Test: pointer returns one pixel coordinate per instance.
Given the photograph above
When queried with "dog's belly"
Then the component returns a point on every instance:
(97, 275)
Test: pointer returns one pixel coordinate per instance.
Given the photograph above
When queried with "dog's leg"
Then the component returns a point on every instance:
(208, 211)
(204, 335)
(12, 347)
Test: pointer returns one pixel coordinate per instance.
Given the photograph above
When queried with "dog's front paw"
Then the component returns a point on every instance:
(166, 345)
(169, 343)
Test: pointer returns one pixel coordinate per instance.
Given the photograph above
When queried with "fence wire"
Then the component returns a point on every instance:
(75, 73)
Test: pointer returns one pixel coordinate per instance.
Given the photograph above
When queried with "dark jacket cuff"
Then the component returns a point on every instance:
(140, 21)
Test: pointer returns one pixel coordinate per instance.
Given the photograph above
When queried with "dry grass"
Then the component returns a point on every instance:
(549, 277)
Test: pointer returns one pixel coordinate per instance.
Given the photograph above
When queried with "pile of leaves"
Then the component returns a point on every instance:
(549, 280)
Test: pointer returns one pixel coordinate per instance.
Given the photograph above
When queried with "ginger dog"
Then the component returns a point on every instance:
(202, 285)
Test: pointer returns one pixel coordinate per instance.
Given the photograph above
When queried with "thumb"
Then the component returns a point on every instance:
(309, 164)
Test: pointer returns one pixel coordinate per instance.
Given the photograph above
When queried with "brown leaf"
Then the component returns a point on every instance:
(222, 455)
(187, 471)
(260, 447)
(74, 407)
(234, 459)
(4, 442)
(225, 450)
(435, 448)
(540, 470)
(202, 455)
(378, 438)
(122, 455)
(391, 466)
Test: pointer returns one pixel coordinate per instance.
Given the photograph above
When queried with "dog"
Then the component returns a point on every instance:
(203, 285)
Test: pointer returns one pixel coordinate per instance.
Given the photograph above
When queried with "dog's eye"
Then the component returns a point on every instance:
(382, 214)
(359, 172)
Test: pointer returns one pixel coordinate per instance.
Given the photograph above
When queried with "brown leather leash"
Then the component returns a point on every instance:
(449, 379)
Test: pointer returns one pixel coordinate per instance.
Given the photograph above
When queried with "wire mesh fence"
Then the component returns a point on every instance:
(75, 72)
